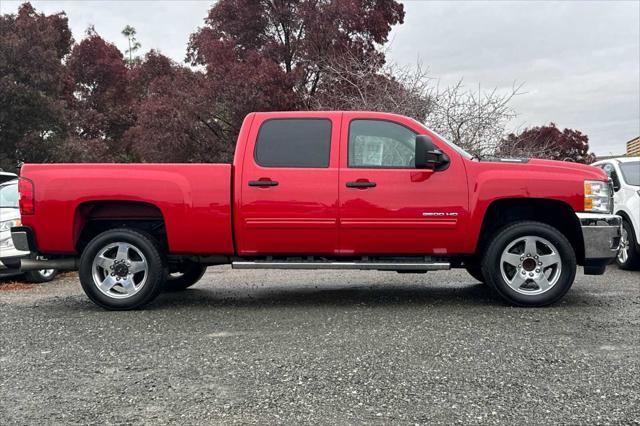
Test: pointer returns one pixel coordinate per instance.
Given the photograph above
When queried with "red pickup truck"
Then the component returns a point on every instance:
(321, 190)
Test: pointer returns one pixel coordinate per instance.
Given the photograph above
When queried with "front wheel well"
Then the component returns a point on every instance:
(551, 212)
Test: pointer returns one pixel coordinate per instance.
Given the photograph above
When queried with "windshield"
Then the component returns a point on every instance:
(459, 150)
(631, 172)
(9, 196)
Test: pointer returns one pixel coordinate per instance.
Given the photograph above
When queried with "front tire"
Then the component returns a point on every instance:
(628, 256)
(530, 264)
(122, 269)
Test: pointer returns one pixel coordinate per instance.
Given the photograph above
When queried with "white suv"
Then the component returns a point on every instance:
(625, 175)
(9, 217)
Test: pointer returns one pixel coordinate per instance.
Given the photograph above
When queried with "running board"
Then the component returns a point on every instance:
(362, 265)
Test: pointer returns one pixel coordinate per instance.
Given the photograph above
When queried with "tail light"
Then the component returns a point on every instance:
(27, 204)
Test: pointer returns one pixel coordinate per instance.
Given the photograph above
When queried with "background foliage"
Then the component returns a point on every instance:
(67, 101)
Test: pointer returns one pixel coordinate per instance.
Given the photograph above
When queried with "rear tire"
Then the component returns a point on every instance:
(628, 256)
(188, 275)
(530, 264)
(476, 272)
(122, 269)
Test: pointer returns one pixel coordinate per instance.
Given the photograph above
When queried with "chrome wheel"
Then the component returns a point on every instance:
(531, 265)
(120, 270)
(46, 273)
(623, 252)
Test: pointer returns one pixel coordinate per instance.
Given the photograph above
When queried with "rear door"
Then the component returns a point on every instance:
(289, 196)
(389, 207)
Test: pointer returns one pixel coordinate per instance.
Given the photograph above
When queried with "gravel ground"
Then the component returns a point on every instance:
(323, 347)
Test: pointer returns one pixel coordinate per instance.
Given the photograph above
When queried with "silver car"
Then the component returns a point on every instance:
(9, 255)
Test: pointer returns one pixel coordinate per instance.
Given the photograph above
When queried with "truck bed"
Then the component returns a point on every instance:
(193, 200)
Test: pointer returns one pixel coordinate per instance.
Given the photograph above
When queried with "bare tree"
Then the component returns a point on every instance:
(372, 85)
(476, 121)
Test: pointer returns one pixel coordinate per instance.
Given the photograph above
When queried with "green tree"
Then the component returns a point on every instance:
(130, 33)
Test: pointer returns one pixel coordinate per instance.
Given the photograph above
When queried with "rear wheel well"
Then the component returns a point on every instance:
(96, 217)
(552, 212)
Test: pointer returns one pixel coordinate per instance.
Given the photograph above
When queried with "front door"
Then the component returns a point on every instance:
(289, 194)
(389, 207)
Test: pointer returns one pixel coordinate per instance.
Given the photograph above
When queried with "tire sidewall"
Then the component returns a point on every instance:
(491, 263)
(38, 278)
(156, 273)
(633, 256)
(191, 274)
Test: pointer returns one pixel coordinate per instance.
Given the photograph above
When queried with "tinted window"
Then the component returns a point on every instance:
(377, 143)
(294, 143)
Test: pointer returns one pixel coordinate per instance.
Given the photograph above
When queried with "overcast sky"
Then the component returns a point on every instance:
(579, 61)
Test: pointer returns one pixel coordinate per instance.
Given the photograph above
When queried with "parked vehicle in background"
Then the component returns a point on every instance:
(322, 190)
(10, 257)
(6, 176)
(625, 175)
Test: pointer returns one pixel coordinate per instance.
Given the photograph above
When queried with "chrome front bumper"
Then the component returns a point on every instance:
(601, 234)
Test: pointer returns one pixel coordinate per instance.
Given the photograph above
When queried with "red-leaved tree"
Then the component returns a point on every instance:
(98, 94)
(273, 55)
(32, 76)
(549, 142)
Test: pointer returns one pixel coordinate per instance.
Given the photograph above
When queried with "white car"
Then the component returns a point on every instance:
(9, 255)
(625, 175)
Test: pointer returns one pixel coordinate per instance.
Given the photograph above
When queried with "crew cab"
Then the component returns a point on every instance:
(321, 190)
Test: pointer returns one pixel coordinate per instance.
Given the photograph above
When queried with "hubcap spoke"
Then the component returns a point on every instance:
(108, 283)
(104, 262)
(517, 281)
(511, 259)
(549, 259)
(543, 283)
(123, 251)
(136, 267)
(530, 246)
(128, 286)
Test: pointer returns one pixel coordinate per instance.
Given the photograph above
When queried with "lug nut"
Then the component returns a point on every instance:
(536, 256)
(530, 274)
(537, 270)
(539, 263)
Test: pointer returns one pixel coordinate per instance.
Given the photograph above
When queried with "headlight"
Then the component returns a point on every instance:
(597, 196)
(8, 224)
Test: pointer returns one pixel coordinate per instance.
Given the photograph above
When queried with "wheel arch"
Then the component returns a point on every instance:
(94, 217)
(555, 213)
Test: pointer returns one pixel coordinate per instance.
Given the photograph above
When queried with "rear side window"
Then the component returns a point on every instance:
(299, 142)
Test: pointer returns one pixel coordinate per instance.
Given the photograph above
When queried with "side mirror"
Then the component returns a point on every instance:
(428, 156)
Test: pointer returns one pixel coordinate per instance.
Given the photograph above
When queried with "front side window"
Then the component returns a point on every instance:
(381, 144)
(294, 142)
